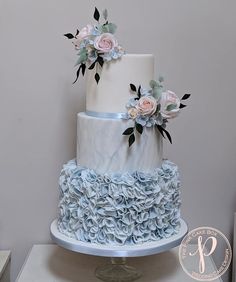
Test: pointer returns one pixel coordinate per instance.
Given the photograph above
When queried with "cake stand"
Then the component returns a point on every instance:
(117, 270)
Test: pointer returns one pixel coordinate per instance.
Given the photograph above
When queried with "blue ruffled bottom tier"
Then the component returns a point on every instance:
(127, 208)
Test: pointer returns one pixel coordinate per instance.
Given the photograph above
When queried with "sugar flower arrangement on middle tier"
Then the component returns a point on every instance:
(96, 44)
(152, 107)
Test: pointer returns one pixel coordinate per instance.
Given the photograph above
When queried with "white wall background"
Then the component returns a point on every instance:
(194, 42)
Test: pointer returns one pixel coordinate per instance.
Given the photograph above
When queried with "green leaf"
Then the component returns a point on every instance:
(153, 84)
(111, 27)
(96, 14)
(97, 77)
(157, 92)
(131, 139)
(133, 87)
(105, 14)
(161, 79)
(83, 52)
(186, 96)
(82, 58)
(105, 28)
(139, 128)
(128, 131)
(171, 107)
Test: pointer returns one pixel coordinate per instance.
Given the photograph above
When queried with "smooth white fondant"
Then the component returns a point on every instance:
(112, 92)
(102, 147)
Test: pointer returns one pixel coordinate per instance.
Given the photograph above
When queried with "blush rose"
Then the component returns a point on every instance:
(105, 42)
(147, 105)
(169, 98)
(83, 34)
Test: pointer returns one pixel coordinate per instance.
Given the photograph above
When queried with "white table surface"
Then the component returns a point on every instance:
(51, 263)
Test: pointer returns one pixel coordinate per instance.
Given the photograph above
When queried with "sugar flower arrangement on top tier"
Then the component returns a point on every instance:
(153, 107)
(95, 44)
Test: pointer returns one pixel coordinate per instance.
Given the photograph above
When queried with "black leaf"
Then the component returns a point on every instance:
(96, 14)
(100, 61)
(69, 35)
(83, 67)
(182, 106)
(139, 91)
(105, 23)
(133, 87)
(77, 73)
(92, 65)
(97, 77)
(186, 96)
(139, 128)
(131, 139)
(128, 131)
(161, 130)
(77, 32)
(167, 134)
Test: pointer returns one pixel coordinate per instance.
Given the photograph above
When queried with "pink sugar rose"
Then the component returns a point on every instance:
(105, 42)
(168, 99)
(147, 105)
(83, 34)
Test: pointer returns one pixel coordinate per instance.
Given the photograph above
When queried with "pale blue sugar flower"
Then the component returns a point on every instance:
(92, 55)
(90, 42)
(132, 103)
(117, 52)
(144, 92)
(151, 121)
(85, 43)
(95, 31)
(142, 120)
(82, 45)
(107, 57)
(114, 54)
(159, 119)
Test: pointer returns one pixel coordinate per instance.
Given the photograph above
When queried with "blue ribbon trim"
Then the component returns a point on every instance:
(106, 115)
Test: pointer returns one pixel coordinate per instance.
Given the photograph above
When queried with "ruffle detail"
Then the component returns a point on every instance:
(127, 208)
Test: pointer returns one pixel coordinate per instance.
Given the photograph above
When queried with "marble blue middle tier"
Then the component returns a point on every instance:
(102, 147)
(119, 208)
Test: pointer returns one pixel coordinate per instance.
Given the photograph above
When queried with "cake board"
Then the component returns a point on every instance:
(117, 270)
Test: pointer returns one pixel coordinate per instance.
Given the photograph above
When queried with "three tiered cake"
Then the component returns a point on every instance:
(119, 190)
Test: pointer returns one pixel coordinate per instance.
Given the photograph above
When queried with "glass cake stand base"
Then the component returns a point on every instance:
(117, 270)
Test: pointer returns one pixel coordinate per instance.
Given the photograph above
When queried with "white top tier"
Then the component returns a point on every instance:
(112, 92)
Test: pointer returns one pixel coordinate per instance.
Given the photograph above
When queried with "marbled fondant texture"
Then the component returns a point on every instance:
(119, 208)
(102, 147)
